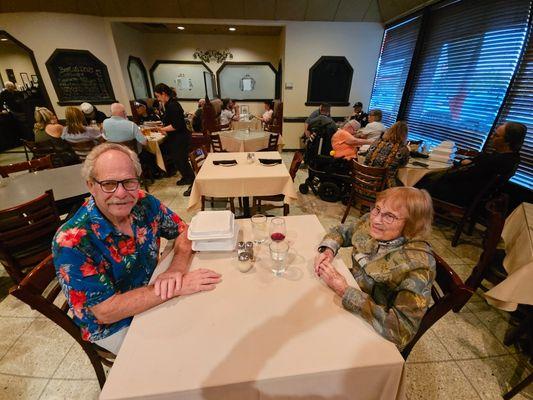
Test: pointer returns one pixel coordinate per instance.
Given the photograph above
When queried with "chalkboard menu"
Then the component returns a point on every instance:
(78, 76)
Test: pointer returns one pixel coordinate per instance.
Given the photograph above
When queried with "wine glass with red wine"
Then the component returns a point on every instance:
(277, 230)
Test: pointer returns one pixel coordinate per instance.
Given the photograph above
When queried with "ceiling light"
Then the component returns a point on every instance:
(3, 39)
(232, 29)
(181, 28)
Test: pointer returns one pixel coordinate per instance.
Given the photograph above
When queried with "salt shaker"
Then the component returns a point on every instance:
(245, 262)
(250, 158)
(249, 246)
(241, 247)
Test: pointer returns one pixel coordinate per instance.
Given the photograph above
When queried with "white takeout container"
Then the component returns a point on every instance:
(213, 231)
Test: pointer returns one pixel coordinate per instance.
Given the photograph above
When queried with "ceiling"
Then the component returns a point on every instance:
(206, 29)
(297, 10)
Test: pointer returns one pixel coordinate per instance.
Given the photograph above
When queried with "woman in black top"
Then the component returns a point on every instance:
(176, 145)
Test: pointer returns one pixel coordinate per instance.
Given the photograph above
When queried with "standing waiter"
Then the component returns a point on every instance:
(176, 145)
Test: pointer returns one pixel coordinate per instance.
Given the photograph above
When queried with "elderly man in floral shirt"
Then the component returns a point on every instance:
(106, 253)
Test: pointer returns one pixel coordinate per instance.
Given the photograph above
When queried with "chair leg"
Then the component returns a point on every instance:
(285, 210)
(518, 388)
(232, 204)
(96, 363)
(459, 230)
(203, 203)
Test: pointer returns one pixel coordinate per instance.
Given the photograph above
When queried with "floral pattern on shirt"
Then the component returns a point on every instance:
(94, 261)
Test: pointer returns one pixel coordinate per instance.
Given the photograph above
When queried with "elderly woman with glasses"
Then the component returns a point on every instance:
(107, 252)
(392, 264)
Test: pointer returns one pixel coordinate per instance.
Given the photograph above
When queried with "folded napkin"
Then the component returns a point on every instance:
(270, 161)
(224, 162)
(420, 164)
(416, 154)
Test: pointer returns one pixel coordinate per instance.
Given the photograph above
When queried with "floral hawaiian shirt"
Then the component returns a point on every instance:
(94, 261)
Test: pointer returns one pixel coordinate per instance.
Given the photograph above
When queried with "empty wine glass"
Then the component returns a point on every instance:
(278, 254)
(277, 230)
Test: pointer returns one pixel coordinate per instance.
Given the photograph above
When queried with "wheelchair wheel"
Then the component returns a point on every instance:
(314, 184)
(329, 191)
(304, 189)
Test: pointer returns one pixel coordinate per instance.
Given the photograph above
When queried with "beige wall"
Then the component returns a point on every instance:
(182, 46)
(44, 32)
(305, 43)
(12, 56)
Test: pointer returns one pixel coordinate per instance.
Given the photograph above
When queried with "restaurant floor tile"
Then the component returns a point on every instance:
(461, 357)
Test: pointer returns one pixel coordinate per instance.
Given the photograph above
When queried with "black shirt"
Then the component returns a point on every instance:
(99, 117)
(174, 115)
(362, 118)
(12, 100)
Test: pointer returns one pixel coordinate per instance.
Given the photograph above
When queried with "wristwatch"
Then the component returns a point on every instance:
(322, 249)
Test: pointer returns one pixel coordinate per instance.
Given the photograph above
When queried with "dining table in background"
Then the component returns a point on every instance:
(517, 288)
(67, 184)
(154, 139)
(253, 124)
(242, 180)
(257, 336)
(248, 141)
(412, 173)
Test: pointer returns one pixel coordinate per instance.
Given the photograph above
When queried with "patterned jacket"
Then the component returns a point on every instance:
(387, 154)
(395, 278)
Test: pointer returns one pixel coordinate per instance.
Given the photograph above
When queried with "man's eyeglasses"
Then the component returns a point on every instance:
(387, 217)
(111, 186)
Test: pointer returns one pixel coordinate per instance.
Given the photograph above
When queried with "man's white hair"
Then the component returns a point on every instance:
(117, 109)
(87, 168)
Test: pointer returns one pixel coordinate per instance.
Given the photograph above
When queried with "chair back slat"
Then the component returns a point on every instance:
(26, 233)
(130, 144)
(83, 148)
(295, 163)
(197, 158)
(216, 144)
(448, 292)
(36, 164)
(32, 290)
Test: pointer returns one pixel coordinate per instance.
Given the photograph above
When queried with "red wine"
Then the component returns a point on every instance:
(277, 236)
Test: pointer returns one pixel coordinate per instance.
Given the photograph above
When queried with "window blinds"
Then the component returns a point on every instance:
(468, 56)
(519, 108)
(393, 67)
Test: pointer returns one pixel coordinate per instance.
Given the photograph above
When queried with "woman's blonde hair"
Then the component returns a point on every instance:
(419, 207)
(75, 120)
(397, 133)
(43, 116)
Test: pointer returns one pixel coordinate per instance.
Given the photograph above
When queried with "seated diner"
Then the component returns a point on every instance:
(106, 253)
(391, 262)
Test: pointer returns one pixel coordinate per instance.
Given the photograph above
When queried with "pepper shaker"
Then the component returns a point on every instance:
(249, 246)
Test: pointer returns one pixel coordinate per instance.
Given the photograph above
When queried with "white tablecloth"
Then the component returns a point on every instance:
(411, 174)
(257, 336)
(517, 288)
(253, 125)
(241, 180)
(239, 141)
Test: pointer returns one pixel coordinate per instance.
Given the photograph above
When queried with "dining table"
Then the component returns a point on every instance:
(67, 184)
(242, 178)
(246, 140)
(417, 168)
(517, 235)
(253, 124)
(153, 141)
(257, 335)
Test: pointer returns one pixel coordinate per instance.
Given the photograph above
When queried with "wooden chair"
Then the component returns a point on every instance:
(519, 387)
(272, 142)
(60, 152)
(295, 165)
(83, 148)
(32, 165)
(216, 144)
(469, 213)
(367, 182)
(490, 263)
(26, 232)
(39, 289)
(197, 158)
(448, 292)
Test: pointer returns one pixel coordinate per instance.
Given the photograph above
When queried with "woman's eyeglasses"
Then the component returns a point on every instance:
(387, 217)
(111, 186)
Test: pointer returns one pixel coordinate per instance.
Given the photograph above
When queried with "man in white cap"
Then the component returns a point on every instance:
(91, 113)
